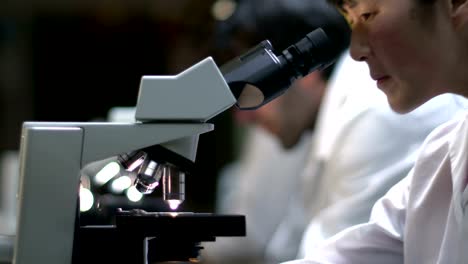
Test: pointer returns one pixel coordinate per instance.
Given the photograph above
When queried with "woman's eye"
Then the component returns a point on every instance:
(366, 16)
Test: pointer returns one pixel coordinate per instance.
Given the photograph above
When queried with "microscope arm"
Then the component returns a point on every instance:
(100, 139)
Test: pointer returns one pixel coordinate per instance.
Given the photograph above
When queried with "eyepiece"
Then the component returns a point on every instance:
(259, 76)
(314, 51)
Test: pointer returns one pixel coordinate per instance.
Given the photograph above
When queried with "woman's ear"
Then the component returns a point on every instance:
(457, 3)
(460, 12)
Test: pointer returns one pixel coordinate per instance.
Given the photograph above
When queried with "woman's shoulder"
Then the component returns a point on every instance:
(444, 137)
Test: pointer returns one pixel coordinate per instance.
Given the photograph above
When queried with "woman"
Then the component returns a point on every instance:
(415, 50)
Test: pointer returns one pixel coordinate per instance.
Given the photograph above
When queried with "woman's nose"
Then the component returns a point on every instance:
(359, 47)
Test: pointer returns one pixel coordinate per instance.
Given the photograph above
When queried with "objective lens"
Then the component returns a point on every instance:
(173, 181)
(148, 177)
(131, 161)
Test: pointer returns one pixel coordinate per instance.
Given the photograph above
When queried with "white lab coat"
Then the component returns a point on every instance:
(422, 219)
(257, 186)
(361, 149)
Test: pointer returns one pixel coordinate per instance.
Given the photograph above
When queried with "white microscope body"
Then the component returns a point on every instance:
(171, 111)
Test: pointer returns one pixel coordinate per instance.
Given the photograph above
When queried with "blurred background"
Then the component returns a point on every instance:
(73, 60)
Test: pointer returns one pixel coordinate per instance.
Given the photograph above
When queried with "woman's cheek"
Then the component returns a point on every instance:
(388, 43)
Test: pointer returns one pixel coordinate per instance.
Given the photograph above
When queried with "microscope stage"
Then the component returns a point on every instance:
(186, 224)
(163, 236)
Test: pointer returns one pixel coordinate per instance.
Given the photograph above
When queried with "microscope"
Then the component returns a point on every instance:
(160, 146)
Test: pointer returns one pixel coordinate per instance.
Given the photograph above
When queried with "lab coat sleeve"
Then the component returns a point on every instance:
(378, 241)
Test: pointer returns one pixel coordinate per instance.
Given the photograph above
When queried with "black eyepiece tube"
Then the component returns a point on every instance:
(315, 51)
(259, 76)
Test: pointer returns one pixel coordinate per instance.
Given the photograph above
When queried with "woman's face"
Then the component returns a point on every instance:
(409, 49)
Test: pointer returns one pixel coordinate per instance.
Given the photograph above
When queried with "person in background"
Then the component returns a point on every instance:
(343, 146)
(416, 51)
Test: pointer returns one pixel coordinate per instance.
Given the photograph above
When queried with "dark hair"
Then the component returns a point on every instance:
(284, 22)
(339, 3)
(422, 10)
(336, 2)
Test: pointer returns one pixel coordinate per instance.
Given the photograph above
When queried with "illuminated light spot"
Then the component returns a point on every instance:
(86, 199)
(133, 194)
(173, 214)
(173, 204)
(121, 184)
(107, 173)
(223, 9)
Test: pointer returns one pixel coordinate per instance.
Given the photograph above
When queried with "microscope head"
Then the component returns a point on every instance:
(190, 97)
(204, 90)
